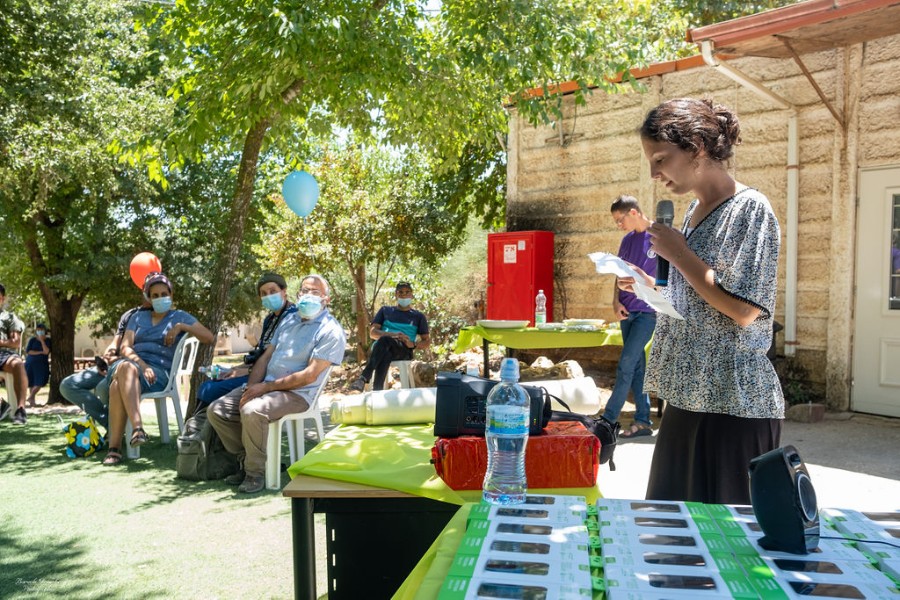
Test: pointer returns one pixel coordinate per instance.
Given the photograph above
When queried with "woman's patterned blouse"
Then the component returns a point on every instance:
(707, 362)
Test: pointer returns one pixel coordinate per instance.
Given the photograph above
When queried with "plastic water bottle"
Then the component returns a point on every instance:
(540, 308)
(214, 372)
(506, 433)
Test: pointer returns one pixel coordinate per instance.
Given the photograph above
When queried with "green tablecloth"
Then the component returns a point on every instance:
(524, 338)
(394, 457)
(424, 582)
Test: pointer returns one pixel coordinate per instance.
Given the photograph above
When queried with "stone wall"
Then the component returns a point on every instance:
(568, 188)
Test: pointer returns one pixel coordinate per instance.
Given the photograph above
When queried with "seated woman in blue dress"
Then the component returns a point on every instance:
(148, 349)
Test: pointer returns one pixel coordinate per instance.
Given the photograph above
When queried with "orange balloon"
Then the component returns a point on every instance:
(142, 265)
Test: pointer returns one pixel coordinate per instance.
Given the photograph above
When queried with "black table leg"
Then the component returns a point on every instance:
(304, 549)
(486, 347)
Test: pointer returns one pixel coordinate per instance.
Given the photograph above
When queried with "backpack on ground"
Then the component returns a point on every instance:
(201, 454)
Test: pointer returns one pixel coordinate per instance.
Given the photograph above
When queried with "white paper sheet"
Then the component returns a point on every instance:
(610, 264)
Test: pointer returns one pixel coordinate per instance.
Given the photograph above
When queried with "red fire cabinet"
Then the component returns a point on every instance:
(519, 264)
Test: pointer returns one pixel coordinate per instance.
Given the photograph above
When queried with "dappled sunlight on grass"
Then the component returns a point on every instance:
(55, 562)
(73, 528)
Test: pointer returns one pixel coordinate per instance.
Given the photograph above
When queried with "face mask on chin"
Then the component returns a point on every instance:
(309, 306)
(273, 302)
(161, 305)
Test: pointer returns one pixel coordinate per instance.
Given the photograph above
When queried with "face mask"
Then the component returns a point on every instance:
(161, 305)
(404, 302)
(273, 302)
(40, 332)
(309, 306)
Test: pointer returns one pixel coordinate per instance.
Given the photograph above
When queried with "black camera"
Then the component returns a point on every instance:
(252, 356)
(460, 405)
(101, 364)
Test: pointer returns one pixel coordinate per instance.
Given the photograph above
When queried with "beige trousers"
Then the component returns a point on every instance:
(245, 430)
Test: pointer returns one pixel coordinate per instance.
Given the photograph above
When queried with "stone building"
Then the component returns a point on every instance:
(816, 86)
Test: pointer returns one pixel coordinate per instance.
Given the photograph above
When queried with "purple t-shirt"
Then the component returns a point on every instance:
(635, 248)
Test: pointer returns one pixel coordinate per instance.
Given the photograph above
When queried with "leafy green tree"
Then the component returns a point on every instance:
(378, 209)
(76, 75)
(264, 73)
(707, 12)
(71, 78)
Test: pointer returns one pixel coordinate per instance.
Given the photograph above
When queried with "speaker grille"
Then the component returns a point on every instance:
(806, 495)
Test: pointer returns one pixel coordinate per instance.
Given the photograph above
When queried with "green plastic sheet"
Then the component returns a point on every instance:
(529, 337)
(395, 457)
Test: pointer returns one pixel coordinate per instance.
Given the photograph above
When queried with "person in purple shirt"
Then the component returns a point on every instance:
(638, 319)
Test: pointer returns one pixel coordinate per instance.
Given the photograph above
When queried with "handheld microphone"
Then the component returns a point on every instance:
(665, 215)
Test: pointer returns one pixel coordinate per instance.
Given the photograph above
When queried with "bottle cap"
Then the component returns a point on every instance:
(509, 369)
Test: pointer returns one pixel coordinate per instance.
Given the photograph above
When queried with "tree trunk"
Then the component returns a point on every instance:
(362, 314)
(223, 275)
(62, 314)
(62, 307)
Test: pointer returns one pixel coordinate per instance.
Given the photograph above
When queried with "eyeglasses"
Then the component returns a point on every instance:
(311, 292)
(622, 218)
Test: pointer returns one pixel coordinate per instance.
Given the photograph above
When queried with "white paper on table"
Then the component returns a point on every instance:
(610, 264)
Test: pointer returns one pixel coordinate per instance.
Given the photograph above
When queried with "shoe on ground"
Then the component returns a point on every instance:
(252, 484)
(236, 478)
(19, 418)
(359, 384)
(4, 409)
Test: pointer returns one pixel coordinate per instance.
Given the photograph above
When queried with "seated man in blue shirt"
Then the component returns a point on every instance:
(397, 331)
(272, 290)
(283, 381)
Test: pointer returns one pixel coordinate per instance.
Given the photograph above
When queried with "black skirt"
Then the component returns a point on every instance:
(704, 457)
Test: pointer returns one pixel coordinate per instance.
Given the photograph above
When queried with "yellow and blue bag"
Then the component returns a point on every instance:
(82, 437)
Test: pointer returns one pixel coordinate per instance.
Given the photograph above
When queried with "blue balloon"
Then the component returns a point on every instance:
(300, 192)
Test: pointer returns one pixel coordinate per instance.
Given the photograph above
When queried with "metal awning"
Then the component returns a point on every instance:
(811, 26)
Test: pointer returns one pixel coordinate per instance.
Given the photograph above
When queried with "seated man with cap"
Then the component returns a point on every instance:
(397, 331)
(283, 381)
(272, 290)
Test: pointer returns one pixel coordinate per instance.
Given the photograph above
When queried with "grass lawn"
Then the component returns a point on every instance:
(72, 528)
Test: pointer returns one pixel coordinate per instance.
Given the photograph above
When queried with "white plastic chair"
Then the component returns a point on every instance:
(405, 368)
(406, 378)
(295, 434)
(11, 382)
(182, 365)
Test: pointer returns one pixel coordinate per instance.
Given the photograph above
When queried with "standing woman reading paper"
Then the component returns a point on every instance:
(724, 401)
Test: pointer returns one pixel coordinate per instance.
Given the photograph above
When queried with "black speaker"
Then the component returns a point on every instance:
(784, 502)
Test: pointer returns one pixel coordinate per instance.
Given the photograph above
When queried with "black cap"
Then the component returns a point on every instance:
(40, 326)
(402, 284)
(270, 277)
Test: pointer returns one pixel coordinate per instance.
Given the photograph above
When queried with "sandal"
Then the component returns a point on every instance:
(113, 457)
(636, 430)
(138, 437)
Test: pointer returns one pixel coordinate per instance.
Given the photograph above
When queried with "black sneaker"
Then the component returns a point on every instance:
(253, 484)
(236, 478)
(20, 417)
(359, 384)
(4, 409)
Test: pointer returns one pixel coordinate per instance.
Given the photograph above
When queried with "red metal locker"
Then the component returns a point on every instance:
(519, 264)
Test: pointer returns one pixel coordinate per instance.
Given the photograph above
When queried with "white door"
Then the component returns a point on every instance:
(876, 343)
